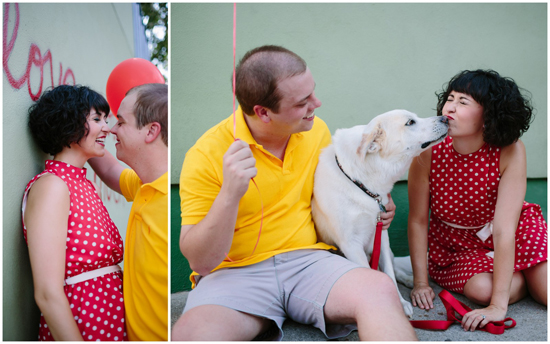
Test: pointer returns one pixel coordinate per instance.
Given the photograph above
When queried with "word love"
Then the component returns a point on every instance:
(35, 58)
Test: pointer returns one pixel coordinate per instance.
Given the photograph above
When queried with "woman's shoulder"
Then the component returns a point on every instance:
(48, 184)
(512, 154)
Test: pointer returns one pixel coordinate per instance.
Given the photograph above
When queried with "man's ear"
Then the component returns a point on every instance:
(153, 131)
(262, 113)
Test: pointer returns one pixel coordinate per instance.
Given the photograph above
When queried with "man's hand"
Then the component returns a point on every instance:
(239, 166)
(387, 217)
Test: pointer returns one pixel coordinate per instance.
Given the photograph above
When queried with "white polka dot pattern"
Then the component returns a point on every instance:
(463, 191)
(93, 241)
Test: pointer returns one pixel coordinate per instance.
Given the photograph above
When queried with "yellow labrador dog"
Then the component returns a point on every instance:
(356, 173)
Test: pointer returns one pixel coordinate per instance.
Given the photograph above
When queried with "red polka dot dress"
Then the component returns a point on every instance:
(463, 190)
(93, 242)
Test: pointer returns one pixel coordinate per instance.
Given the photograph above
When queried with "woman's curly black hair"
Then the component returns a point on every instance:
(507, 114)
(58, 118)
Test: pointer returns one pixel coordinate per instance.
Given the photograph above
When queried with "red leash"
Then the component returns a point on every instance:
(375, 257)
(454, 306)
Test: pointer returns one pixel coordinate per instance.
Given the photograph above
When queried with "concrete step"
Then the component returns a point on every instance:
(531, 319)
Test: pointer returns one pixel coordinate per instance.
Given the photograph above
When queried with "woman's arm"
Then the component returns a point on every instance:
(422, 294)
(46, 217)
(511, 193)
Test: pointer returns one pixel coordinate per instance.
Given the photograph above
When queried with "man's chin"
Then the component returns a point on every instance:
(119, 155)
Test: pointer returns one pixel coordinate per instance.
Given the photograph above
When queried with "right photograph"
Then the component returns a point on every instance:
(361, 172)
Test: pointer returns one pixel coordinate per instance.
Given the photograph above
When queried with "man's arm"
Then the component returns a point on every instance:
(205, 244)
(108, 169)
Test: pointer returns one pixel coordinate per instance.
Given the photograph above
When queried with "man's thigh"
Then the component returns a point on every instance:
(214, 323)
(251, 290)
(358, 292)
(309, 277)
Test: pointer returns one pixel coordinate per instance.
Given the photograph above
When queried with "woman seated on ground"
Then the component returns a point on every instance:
(74, 246)
(484, 240)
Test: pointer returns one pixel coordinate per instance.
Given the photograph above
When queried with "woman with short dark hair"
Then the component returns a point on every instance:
(466, 198)
(74, 246)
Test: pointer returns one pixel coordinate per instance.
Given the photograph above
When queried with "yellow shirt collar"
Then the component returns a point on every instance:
(243, 132)
(160, 184)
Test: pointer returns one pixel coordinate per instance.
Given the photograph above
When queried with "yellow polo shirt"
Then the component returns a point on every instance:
(285, 189)
(146, 258)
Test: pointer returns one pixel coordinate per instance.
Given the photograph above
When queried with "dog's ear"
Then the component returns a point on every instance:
(371, 142)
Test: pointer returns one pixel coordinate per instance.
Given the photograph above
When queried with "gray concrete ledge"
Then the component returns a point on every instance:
(531, 319)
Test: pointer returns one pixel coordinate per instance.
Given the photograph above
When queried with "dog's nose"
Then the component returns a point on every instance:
(444, 119)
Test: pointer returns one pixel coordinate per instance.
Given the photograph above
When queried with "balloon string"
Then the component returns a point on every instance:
(234, 54)
(235, 126)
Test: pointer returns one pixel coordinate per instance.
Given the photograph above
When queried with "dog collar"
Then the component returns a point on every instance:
(360, 185)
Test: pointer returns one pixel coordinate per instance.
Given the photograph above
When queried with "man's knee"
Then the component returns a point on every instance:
(381, 289)
(182, 329)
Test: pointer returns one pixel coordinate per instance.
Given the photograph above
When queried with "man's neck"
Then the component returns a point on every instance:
(273, 143)
(151, 164)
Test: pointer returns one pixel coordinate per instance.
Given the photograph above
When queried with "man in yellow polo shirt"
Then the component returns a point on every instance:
(142, 143)
(254, 251)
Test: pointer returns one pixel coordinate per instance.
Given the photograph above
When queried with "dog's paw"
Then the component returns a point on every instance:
(402, 268)
(408, 308)
(406, 280)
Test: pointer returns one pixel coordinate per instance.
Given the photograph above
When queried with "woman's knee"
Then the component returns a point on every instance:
(536, 280)
(479, 288)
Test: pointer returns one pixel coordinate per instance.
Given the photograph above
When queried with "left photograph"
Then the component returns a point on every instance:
(85, 171)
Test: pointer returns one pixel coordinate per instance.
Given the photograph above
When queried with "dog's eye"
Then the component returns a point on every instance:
(410, 122)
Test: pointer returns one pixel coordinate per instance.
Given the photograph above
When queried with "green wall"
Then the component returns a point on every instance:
(366, 59)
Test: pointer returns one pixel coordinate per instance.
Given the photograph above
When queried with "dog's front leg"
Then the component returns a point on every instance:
(386, 266)
(355, 252)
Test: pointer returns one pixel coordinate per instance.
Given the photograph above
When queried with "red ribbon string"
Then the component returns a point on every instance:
(454, 306)
(234, 55)
(235, 125)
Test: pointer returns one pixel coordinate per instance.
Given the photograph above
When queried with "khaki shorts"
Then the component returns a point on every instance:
(293, 284)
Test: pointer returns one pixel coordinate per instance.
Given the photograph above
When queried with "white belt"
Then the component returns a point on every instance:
(91, 274)
(485, 232)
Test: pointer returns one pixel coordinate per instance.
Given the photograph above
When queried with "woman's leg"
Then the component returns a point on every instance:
(536, 278)
(479, 288)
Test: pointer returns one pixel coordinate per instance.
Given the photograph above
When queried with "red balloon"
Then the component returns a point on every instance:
(128, 74)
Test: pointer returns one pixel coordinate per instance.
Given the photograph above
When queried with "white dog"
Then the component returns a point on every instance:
(375, 156)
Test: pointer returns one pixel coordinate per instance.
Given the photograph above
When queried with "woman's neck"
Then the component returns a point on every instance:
(71, 157)
(468, 145)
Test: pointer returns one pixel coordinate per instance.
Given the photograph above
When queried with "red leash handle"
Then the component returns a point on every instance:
(454, 306)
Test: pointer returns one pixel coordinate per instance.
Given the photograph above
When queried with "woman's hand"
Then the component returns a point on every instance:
(422, 296)
(478, 318)
(387, 217)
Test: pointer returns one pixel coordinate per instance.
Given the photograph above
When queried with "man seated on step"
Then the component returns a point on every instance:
(241, 290)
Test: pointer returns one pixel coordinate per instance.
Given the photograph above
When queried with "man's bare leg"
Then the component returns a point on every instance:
(369, 299)
(218, 323)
